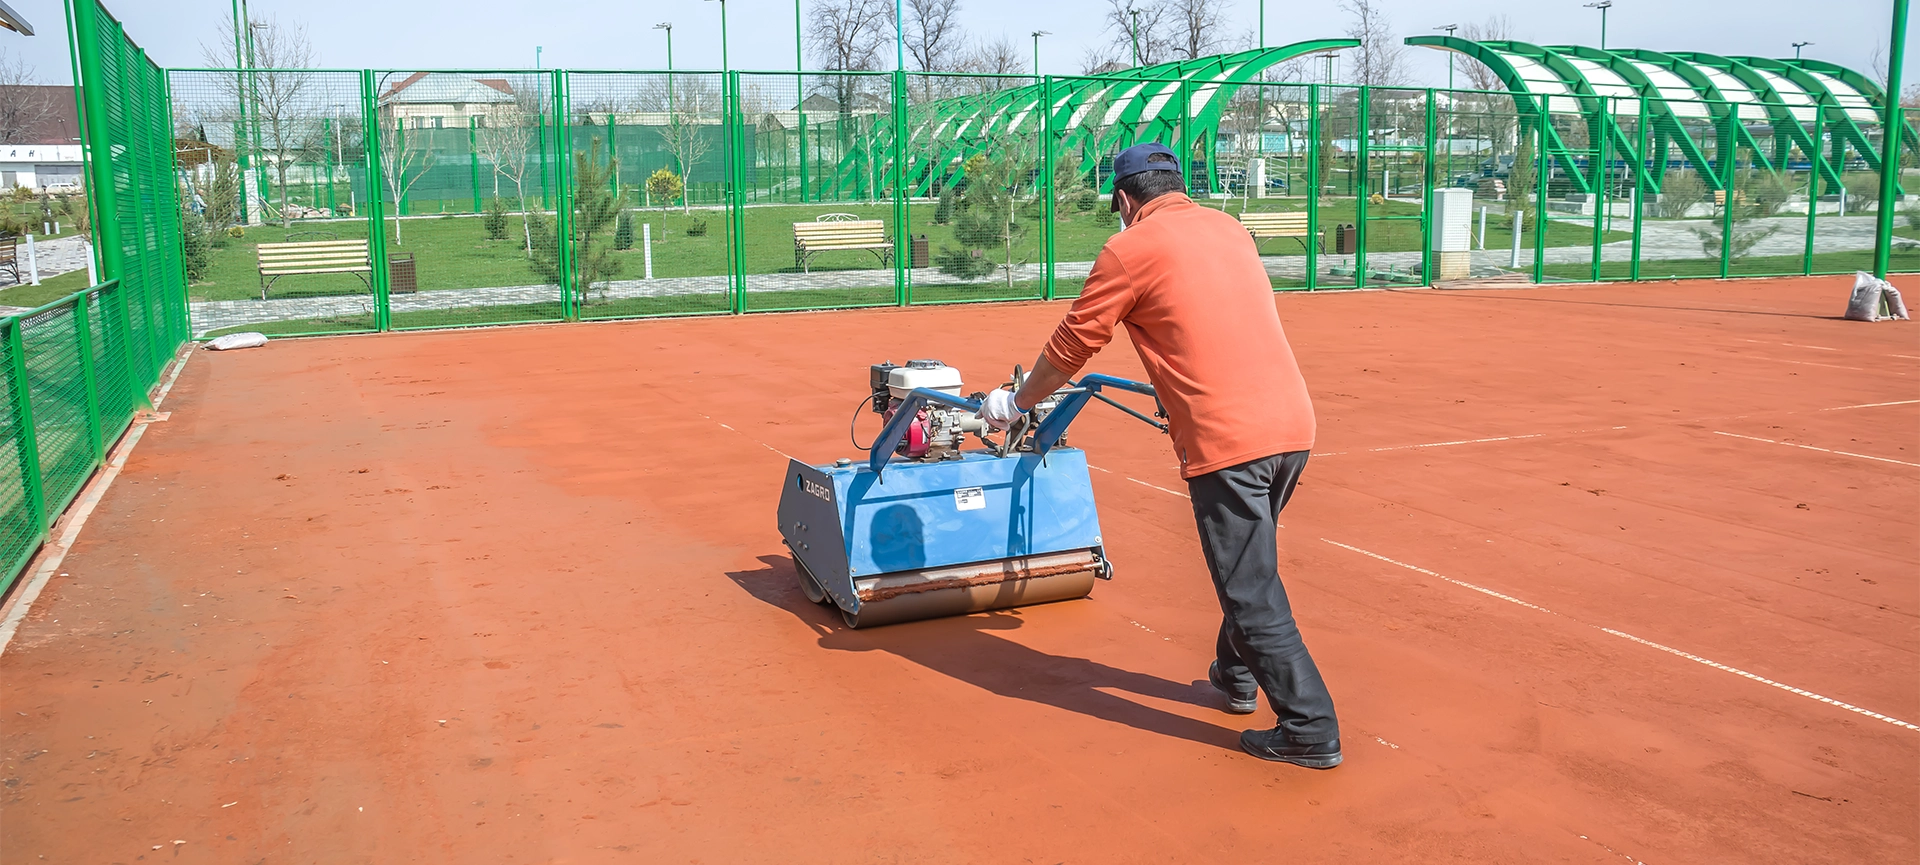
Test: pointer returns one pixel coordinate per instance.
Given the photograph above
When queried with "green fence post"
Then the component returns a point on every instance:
(28, 449)
(730, 192)
(473, 158)
(546, 187)
(1639, 194)
(1601, 208)
(613, 156)
(1313, 186)
(92, 95)
(326, 157)
(1892, 127)
(1046, 152)
(1815, 161)
(1727, 153)
(376, 202)
(902, 292)
(83, 335)
(801, 107)
(1543, 178)
(1362, 132)
(563, 188)
(1426, 207)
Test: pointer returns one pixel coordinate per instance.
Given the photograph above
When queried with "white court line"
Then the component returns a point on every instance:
(1822, 450)
(1162, 489)
(55, 552)
(1788, 344)
(1872, 405)
(1623, 635)
(1469, 441)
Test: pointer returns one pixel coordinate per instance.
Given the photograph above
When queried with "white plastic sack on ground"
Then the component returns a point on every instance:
(237, 340)
(1896, 308)
(1864, 304)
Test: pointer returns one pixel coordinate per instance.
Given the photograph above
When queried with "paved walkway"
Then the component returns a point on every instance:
(1660, 241)
(54, 257)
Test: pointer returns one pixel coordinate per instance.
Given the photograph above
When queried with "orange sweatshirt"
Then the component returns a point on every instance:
(1187, 282)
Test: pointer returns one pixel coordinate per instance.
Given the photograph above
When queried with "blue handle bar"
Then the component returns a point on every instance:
(1044, 438)
(1056, 423)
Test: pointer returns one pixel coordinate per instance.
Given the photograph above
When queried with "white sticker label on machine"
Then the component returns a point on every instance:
(969, 499)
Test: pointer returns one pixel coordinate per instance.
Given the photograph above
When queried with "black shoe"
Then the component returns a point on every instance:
(1236, 705)
(1273, 745)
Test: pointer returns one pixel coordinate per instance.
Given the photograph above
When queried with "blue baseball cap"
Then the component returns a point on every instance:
(1133, 160)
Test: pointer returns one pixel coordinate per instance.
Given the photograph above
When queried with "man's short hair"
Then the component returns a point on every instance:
(1149, 185)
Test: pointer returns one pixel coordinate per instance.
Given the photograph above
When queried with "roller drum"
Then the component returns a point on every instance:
(932, 593)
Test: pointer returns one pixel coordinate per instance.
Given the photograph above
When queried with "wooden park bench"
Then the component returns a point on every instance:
(1720, 197)
(1266, 225)
(840, 231)
(10, 257)
(319, 256)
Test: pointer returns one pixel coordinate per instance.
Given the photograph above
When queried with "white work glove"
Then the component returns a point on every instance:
(998, 409)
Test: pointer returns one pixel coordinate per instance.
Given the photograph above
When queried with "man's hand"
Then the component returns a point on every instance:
(998, 409)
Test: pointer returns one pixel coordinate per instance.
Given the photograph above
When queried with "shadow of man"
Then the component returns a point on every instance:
(962, 648)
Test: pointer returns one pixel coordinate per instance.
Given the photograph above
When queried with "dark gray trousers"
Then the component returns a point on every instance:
(1260, 647)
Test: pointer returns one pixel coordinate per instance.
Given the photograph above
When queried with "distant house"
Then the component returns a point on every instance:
(44, 154)
(440, 100)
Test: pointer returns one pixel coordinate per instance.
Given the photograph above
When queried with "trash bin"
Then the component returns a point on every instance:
(401, 277)
(1346, 241)
(918, 248)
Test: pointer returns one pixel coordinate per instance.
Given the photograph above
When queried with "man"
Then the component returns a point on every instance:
(1188, 283)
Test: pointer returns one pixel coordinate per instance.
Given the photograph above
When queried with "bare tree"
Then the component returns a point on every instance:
(935, 40)
(687, 136)
(1198, 27)
(849, 34)
(1100, 60)
(998, 56)
(1380, 60)
(281, 121)
(24, 105)
(1139, 28)
(1497, 28)
(505, 140)
(404, 159)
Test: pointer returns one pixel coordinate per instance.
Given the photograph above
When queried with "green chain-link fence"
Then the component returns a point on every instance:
(73, 372)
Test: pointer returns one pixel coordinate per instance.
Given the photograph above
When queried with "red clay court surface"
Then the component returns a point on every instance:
(516, 595)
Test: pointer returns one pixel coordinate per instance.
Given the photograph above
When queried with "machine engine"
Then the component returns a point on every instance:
(938, 431)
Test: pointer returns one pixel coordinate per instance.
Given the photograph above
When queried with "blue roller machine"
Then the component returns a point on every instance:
(924, 529)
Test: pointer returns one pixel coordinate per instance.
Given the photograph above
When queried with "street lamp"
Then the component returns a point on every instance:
(723, 35)
(1329, 57)
(1449, 28)
(536, 56)
(1036, 50)
(1603, 6)
(1796, 48)
(667, 26)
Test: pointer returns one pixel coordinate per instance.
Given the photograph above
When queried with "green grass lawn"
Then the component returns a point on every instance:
(49, 290)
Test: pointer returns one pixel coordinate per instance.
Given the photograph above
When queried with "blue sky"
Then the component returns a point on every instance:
(594, 34)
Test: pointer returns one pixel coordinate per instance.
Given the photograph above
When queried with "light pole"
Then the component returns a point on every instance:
(1135, 13)
(899, 36)
(1329, 57)
(1603, 6)
(1263, 23)
(723, 36)
(1796, 48)
(1036, 50)
(536, 56)
(667, 26)
(1449, 28)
